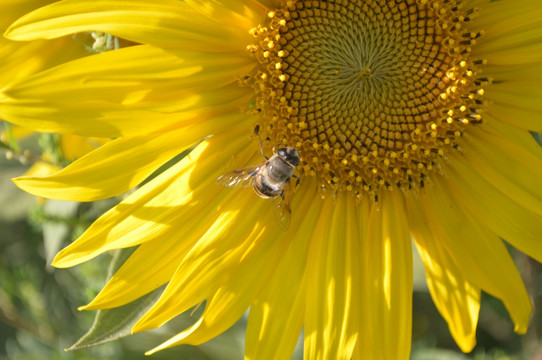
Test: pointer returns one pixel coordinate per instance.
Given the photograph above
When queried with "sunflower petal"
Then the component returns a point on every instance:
(519, 94)
(149, 213)
(512, 34)
(127, 161)
(387, 283)
(475, 250)
(22, 59)
(511, 168)
(243, 14)
(167, 23)
(126, 164)
(115, 93)
(523, 139)
(511, 73)
(514, 95)
(521, 117)
(212, 260)
(457, 300)
(276, 316)
(232, 298)
(134, 279)
(333, 278)
(500, 213)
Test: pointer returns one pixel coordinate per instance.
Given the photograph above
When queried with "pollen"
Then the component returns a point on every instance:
(373, 94)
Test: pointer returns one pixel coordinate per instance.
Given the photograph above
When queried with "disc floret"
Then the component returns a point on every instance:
(373, 94)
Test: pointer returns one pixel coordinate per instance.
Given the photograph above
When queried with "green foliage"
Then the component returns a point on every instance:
(112, 324)
(11, 141)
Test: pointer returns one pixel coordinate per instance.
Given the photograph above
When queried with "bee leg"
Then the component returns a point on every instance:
(296, 179)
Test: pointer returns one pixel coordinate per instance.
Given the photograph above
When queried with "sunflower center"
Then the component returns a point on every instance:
(371, 93)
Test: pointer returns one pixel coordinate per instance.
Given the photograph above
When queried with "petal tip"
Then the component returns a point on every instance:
(61, 261)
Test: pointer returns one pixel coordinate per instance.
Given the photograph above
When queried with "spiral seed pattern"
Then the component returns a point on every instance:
(372, 93)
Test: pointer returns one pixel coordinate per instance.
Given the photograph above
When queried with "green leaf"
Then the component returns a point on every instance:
(112, 324)
(13, 145)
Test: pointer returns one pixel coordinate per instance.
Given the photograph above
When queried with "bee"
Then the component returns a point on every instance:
(270, 179)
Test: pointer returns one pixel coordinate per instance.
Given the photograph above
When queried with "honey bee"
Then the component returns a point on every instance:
(270, 179)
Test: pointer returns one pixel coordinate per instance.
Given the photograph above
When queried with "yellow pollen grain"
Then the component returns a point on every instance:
(385, 118)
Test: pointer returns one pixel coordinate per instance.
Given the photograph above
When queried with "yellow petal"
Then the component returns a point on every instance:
(511, 168)
(220, 263)
(167, 23)
(163, 202)
(457, 300)
(75, 146)
(518, 94)
(277, 315)
(513, 95)
(521, 117)
(510, 73)
(130, 91)
(214, 258)
(164, 255)
(386, 271)
(22, 59)
(475, 250)
(134, 279)
(332, 325)
(120, 165)
(512, 34)
(500, 213)
(243, 14)
(19, 59)
(234, 295)
(518, 136)
(110, 170)
(525, 54)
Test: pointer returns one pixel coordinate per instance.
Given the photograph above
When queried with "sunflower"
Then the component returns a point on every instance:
(411, 119)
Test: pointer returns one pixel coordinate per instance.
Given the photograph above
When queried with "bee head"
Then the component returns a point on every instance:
(290, 155)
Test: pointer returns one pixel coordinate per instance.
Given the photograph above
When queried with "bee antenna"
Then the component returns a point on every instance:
(257, 133)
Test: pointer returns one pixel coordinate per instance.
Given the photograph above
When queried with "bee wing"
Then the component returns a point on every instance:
(238, 177)
(283, 210)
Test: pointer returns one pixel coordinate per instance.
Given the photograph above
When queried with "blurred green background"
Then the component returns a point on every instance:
(38, 304)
